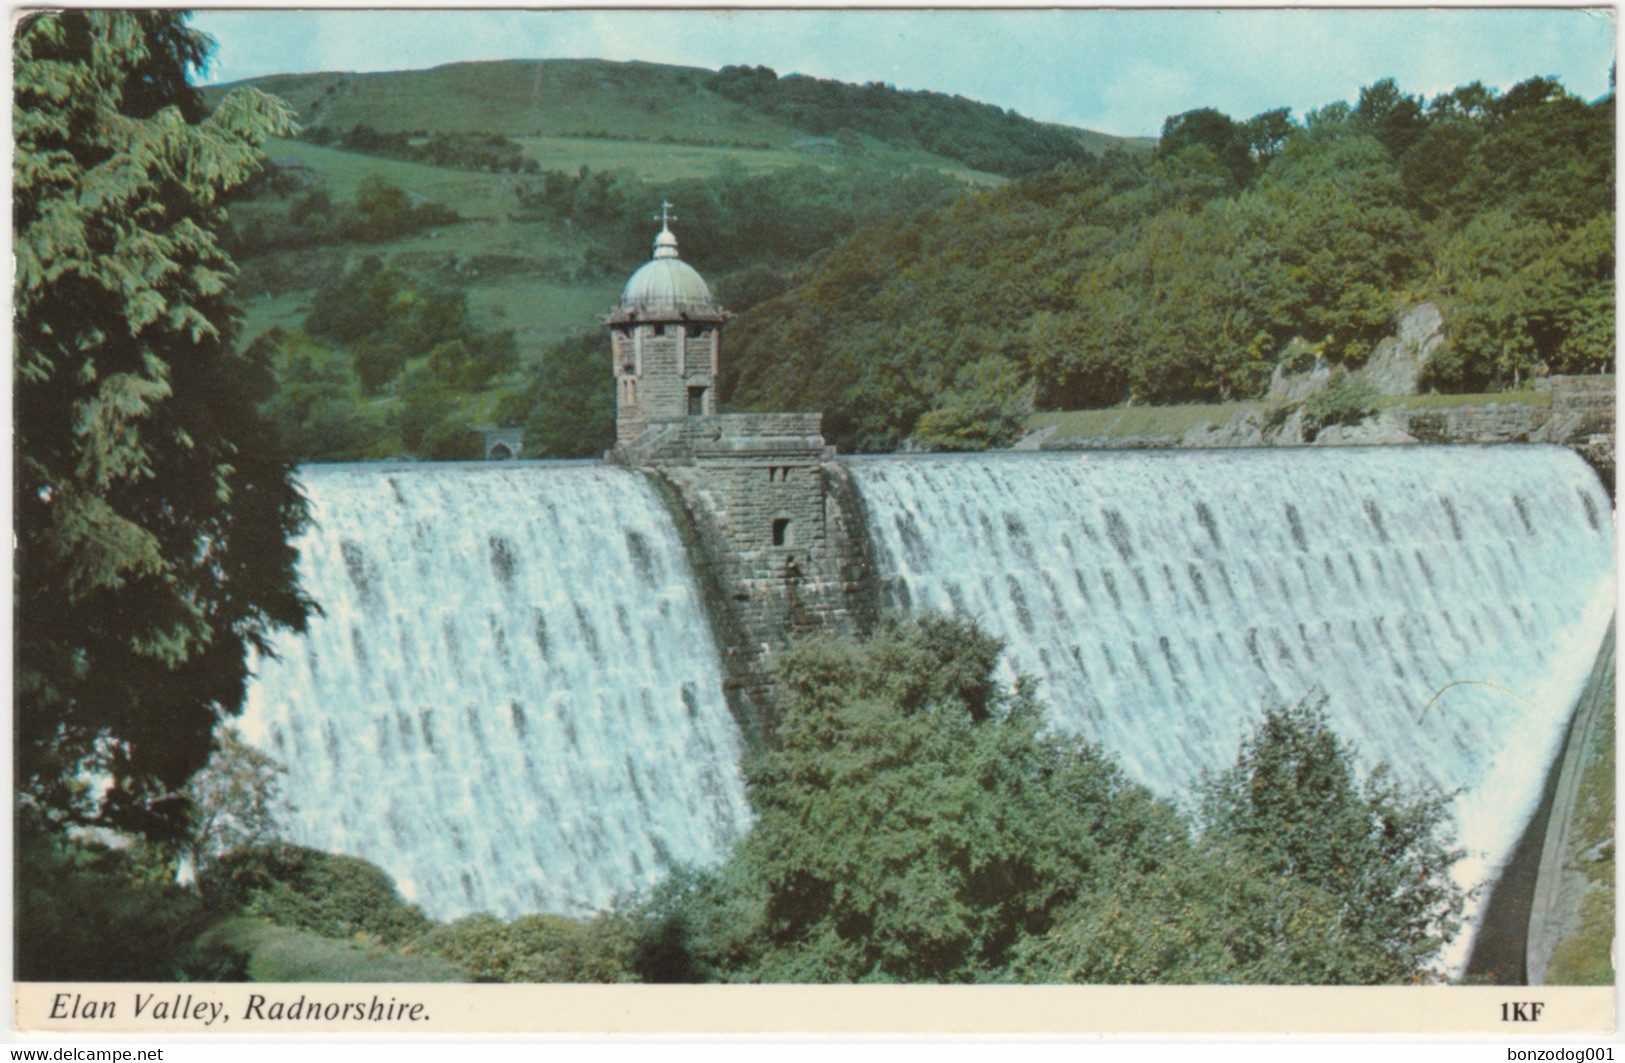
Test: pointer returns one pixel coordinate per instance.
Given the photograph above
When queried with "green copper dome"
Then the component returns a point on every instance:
(666, 280)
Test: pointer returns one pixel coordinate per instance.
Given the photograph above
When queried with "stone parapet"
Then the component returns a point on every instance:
(743, 435)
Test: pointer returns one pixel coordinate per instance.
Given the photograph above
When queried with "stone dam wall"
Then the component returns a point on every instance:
(775, 533)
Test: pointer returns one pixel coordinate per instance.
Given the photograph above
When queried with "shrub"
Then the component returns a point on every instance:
(335, 896)
(535, 948)
(88, 912)
(1379, 853)
(1349, 400)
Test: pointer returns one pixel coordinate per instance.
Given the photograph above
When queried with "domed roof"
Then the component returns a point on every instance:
(666, 280)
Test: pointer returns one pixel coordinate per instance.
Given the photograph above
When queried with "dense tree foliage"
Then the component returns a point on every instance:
(380, 212)
(735, 220)
(567, 405)
(152, 509)
(330, 894)
(1379, 854)
(1183, 276)
(914, 824)
(980, 135)
(374, 330)
(90, 912)
(917, 823)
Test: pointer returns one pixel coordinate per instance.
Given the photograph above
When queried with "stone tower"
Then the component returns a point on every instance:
(666, 335)
(774, 522)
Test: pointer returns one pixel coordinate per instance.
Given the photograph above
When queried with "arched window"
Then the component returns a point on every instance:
(781, 531)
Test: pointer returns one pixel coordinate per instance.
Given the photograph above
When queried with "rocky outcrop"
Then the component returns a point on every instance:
(1394, 368)
(1295, 387)
(1396, 365)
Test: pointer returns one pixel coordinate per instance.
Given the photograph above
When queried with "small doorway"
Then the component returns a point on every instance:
(696, 401)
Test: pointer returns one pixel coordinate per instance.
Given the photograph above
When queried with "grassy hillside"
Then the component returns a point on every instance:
(514, 198)
(599, 99)
(553, 97)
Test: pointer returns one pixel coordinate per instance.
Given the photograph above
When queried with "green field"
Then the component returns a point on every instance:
(655, 160)
(471, 194)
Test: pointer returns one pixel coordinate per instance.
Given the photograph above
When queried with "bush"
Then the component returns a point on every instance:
(1349, 400)
(88, 912)
(335, 896)
(984, 410)
(535, 948)
(1379, 853)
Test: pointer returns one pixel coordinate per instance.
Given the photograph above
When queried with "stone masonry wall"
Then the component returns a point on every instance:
(1581, 416)
(667, 365)
(776, 536)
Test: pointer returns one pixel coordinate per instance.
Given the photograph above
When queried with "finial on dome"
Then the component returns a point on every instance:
(665, 242)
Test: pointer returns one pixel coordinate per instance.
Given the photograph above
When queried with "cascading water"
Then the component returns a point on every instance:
(1448, 600)
(512, 702)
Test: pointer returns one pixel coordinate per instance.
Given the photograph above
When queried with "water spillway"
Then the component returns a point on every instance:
(512, 701)
(1446, 600)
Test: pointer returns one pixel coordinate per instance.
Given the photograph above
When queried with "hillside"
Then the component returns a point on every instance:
(1189, 275)
(529, 98)
(533, 100)
(432, 251)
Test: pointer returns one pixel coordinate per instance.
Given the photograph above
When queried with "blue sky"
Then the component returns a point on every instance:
(1120, 71)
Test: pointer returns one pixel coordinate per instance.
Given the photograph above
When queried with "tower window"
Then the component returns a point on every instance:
(696, 402)
(781, 531)
(660, 330)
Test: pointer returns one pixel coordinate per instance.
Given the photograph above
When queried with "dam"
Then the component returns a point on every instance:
(513, 700)
(533, 684)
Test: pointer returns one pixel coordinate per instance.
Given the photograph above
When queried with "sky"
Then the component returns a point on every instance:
(1116, 71)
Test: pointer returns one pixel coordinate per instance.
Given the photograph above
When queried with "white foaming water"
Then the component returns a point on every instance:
(513, 702)
(1449, 600)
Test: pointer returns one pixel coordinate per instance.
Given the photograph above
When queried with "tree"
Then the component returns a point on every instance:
(152, 512)
(914, 821)
(237, 799)
(1379, 852)
(984, 409)
(1230, 143)
(1394, 118)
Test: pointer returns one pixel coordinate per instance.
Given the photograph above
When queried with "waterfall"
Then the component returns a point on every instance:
(1447, 600)
(512, 701)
